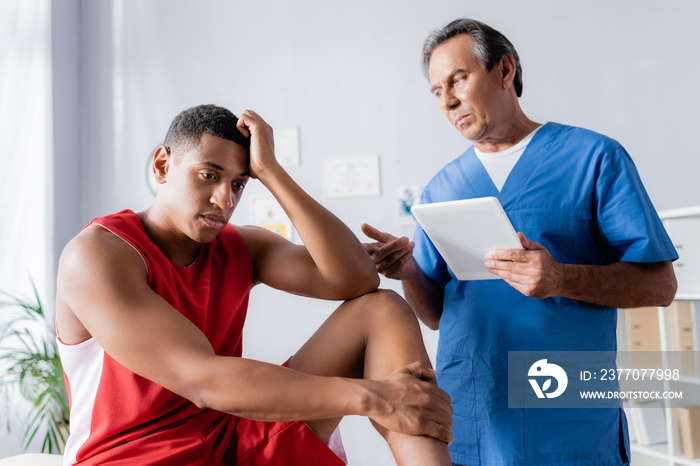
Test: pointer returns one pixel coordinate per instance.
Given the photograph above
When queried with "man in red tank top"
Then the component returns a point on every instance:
(150, 310)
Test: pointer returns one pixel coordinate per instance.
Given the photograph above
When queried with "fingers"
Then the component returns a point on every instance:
(395, 269)
(243, 127)
(516, 267)
(517, 281)
(396, 248)
(244, 122)
(438, 417)
(427, 374)
(375, 234)
(510, 255)
(413, 369)
(522, 238)
(516, 255)
(371, 247)
(389, 254)
(392, 259)
(531, 261)
(422, 408)
(532, 271)
(442, 394)
(438, 422)
(418, 370)
(247, 120)
(440, 432)
(252, 114)
(386, 244)
(527, 244)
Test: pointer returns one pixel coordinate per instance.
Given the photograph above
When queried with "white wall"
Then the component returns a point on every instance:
(348, 75)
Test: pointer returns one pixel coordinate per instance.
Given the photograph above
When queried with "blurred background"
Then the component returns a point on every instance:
(88, 89)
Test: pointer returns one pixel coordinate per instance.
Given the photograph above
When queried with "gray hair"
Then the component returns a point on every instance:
(489, 46)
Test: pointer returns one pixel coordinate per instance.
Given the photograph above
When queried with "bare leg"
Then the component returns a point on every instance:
(370, 337)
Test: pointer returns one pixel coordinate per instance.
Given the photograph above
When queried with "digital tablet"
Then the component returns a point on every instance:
(463, 231)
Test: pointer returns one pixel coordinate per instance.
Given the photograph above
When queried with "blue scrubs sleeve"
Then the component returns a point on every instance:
(627, 221)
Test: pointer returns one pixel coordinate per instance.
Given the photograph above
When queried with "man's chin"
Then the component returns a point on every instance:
(208, 236)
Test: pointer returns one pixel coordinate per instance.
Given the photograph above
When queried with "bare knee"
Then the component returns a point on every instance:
(381, 298)
(384, 304)
(393, 336)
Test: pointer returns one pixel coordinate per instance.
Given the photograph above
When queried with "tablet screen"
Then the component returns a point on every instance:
(463, 231)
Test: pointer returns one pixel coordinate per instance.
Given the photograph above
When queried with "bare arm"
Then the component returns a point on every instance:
(332, 264)
(102, 283)
(534, 272)
(425, 297)
(393, 258)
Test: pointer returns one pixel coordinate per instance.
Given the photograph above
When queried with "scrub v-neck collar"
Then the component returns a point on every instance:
(535, 152)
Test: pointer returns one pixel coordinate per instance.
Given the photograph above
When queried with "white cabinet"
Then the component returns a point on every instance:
(684, 229)
(678, 331)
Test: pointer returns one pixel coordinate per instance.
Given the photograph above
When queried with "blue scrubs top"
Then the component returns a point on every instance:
(577, 193)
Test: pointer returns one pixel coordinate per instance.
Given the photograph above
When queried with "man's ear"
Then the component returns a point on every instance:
(161, 164)
(507, 70)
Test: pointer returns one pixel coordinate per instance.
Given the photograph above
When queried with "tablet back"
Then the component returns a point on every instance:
(463, 231)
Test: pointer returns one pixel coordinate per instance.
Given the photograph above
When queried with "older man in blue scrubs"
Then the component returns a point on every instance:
(592, 243)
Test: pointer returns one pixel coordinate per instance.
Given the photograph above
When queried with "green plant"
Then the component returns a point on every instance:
(29, 351)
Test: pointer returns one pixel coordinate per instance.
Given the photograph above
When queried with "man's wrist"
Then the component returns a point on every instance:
(411, 273)
(361, 398)
(568, 277)
(269, 172)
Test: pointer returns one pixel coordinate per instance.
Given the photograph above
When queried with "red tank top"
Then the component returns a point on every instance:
(114, 410)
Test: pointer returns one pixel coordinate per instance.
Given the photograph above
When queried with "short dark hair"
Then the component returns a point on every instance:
(189, 125)
(489, 46)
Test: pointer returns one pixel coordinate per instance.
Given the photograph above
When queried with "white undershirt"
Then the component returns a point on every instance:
(499, 164)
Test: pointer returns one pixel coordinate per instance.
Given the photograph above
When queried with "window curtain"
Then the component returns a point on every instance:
(25, 141)
(25, 137)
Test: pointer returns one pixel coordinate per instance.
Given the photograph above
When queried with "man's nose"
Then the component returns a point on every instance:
(449, 100)
(223, 196)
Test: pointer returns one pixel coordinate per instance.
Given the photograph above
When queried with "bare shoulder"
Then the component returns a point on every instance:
(92, 261)
(94, 246)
